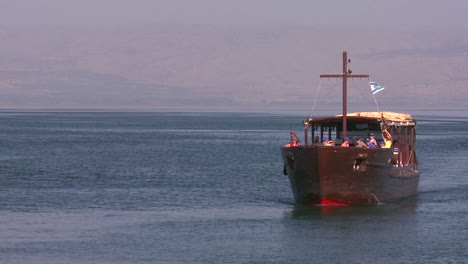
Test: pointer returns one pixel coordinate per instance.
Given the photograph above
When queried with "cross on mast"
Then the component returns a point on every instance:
(345, 75)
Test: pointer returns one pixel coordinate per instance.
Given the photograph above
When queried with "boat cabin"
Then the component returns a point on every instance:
(401, 127)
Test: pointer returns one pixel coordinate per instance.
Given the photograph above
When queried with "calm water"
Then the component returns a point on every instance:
(208, 188)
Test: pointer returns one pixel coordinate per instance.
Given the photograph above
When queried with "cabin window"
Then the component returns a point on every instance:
(321, 131)
(375, 127)
(359, 127)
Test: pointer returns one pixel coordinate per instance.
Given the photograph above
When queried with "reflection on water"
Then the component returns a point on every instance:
(300, 211)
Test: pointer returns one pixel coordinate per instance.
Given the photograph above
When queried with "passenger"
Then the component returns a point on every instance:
(360, 144)
(345, 142)
(387, 137)
(382, 144)
(324, 141)
(294, 142)
(372, 139)
(327, 143)
(370, 144)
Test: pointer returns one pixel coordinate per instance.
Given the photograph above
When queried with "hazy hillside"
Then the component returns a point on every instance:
(175, 66)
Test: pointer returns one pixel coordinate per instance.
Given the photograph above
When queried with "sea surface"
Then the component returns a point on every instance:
(205, 187)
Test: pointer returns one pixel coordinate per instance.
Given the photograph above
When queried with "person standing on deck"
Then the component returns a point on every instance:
(295, 142)
(387, 137)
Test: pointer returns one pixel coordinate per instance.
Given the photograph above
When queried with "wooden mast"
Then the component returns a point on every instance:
(345, 75)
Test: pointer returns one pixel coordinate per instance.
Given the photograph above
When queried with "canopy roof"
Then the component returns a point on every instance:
(391, 118)
(386, 115)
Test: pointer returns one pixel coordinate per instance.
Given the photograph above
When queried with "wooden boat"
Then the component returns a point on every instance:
(332, 174)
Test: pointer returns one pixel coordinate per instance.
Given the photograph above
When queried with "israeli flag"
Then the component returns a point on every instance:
(375, 88)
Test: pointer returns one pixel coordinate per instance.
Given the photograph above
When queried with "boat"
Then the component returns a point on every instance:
(323, 172)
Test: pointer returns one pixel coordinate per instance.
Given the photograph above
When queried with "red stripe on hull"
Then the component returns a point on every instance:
(331, 202)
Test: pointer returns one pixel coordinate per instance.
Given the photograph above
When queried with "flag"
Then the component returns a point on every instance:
(375, 88)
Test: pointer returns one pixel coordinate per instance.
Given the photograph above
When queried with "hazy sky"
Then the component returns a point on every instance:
(395, 13)
(266, 52)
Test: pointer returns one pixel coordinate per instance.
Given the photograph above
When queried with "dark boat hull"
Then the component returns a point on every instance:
(347, 175)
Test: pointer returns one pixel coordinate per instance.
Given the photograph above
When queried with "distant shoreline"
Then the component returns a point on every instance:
(300, 112)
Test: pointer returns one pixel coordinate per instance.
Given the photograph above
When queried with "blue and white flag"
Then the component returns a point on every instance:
(375, 88)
